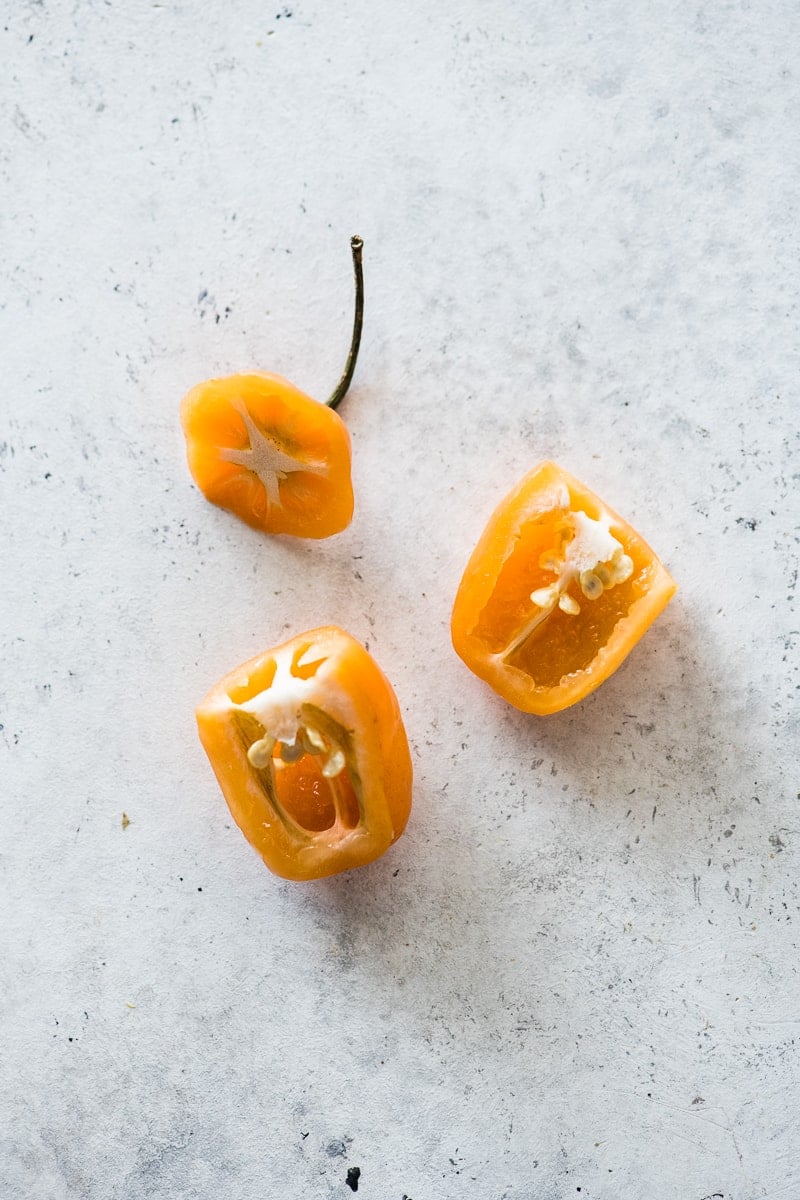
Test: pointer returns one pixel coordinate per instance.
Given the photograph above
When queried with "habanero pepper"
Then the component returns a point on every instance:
(309, 749)
(557, 592)
(275, 457)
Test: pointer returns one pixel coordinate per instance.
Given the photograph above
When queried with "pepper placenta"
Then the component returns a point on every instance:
(308, 745)
(558, 591)
(275, 457)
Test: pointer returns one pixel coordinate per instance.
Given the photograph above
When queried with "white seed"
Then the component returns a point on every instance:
(568, 604)
(604, 575)
(591, 586)
(313, 740)
(260, 752)
(622, 568)
(294, 752)
(549, 562)
(334, 764)
(545, 597)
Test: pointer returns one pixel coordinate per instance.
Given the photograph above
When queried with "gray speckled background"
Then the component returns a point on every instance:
(577, 974)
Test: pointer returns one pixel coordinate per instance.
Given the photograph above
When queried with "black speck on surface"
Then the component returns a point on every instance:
(353, 1176)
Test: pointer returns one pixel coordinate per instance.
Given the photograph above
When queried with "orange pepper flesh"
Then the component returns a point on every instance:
(312, 800)
(558, 591)
(308, 745)
(260, 447)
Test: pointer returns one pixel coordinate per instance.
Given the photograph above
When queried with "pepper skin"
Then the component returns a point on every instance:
(308, 745)
(558, 591)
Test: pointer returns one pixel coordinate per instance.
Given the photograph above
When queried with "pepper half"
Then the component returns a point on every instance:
(308, 745)
(558, 591)
(275, 457)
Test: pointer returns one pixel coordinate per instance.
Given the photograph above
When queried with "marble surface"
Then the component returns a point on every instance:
(576, 975)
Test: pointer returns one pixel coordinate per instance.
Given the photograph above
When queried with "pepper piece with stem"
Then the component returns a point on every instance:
(272, 455)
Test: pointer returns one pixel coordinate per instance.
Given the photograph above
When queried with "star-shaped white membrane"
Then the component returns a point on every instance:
(265, 458)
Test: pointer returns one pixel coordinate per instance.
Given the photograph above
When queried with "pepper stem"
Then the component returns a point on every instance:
(340, 391)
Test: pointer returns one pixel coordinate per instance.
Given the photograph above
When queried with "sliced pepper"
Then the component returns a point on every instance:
(558, 591)
(308, 745)
(275, 457)
(278, 459)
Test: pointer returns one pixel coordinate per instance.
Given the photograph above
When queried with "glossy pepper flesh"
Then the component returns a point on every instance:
(308, 745)
(275, 457)
(558, 591)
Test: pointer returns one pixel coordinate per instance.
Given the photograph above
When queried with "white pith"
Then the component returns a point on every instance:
(592, 544)
(592, 556)
(279, 710)
(265, 459)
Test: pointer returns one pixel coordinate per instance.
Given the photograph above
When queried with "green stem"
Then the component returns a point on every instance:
(340, 391)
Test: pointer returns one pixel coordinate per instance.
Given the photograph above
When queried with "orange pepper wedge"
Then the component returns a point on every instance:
(557, 592)
(308, 746)
(275, 457)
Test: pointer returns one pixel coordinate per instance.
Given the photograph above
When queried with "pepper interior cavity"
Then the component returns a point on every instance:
(557, 592)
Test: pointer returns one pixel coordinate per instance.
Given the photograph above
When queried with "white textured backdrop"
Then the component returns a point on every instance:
(577, 973)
